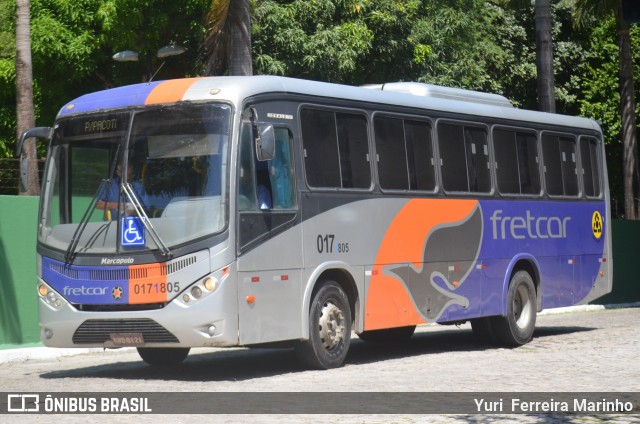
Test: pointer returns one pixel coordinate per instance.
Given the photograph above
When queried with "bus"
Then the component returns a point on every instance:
(264, 210)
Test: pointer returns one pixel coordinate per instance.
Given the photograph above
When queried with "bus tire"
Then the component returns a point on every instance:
(163, 356)
(483, 330)
(516, 328)
(388, 335)
(329, 328)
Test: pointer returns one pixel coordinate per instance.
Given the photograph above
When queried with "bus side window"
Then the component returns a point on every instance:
(281, 175)
(452, 154)
(559, 155)
(320, 142)
(516, 155)
(590, 169)
(336, 149)
(266, 185)
(404, 154)
(247, 200)
(569, 166)
(465, 158)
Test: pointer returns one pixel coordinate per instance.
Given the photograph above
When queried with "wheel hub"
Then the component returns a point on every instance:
(522, 308)
(332, 325)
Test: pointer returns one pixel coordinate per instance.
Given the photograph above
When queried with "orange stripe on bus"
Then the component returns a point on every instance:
(148, 283)
(388, 302)
(170, 91)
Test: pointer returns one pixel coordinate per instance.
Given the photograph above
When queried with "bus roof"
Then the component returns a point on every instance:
(236, 89)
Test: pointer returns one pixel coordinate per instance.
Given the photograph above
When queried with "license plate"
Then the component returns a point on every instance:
(127, 339)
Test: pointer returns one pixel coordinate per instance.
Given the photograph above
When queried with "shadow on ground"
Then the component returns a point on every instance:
(240, 364)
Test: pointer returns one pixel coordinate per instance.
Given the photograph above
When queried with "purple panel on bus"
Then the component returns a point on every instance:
(133, 95)
(87, 285)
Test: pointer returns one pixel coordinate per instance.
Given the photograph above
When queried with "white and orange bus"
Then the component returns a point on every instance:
(233, 211)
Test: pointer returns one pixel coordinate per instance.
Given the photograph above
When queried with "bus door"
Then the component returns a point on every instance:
(269, 242)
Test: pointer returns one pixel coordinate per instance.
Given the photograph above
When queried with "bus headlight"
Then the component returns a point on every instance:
(196, 292)
(211, 283)
(204, 287)
(49, 296)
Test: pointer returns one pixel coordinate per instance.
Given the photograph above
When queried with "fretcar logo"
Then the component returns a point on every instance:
(117, 293)
(116, 261)
(84, 291)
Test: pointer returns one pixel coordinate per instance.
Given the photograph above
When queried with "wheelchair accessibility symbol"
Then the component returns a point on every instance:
(132, 232)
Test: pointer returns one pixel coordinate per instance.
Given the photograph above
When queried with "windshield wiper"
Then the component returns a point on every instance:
(137, 206)
(71, 250)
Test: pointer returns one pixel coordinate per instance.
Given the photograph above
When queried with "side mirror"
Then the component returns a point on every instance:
(39, 132)
(265, 142)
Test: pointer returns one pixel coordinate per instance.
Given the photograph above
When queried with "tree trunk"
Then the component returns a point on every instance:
(544, 57)
(239, 51)
(24, 95)
(627, 110)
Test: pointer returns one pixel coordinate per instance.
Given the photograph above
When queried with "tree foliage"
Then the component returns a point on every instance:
(486, 45)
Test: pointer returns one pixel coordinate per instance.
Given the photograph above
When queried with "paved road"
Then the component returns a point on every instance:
(572, 352)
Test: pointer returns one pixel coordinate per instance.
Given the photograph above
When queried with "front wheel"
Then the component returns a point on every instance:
(163, 356)
(329, 328)
(516, 328)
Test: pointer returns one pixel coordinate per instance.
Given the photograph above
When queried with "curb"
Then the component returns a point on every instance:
(587, 308)
(42, 353)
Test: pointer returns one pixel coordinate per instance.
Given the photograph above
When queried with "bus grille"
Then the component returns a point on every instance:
(99, 330)
(121, 273)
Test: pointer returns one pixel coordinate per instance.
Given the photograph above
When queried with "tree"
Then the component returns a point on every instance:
(461, 43)
(631, 171)
(544, 57)
(24, 94)
(228, 42)
(144, 27)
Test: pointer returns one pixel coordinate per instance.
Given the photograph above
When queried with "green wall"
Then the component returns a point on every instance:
(626, 264)
(18, 306)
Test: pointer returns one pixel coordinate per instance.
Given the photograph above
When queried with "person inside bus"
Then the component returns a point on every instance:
(109, 199)
(262, 187)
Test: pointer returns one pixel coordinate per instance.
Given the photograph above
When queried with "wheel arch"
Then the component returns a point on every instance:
(341, 273)
(526, 263)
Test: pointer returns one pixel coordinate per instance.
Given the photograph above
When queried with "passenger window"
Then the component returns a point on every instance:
(281, 175)
(336, 149)
(266, 185)
(590, 168)
(560, 165)
(320, 141)
(422, 173)
(266, 189)
(392, 153)
(452, 154)
(465, 158)
(569, 166)
(353, 143)
(405, 154)
(516, 156)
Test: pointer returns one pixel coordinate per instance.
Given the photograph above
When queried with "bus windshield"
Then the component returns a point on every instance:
(163, 169)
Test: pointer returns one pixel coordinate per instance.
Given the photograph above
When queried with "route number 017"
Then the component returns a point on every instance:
(325, 244)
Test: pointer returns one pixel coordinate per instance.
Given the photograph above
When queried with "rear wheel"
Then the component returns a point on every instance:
(329, 328)
(163, 356)
(388, 335)
(516, 328)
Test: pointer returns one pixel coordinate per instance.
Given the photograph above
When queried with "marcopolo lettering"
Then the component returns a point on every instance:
(116, 261)
(534, 227)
